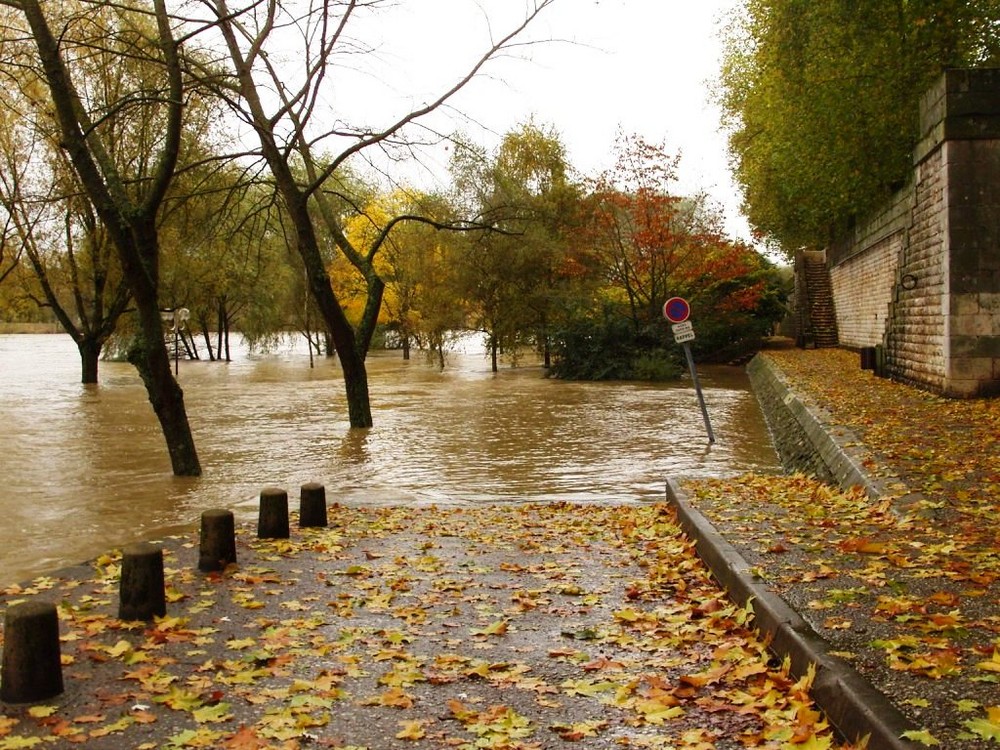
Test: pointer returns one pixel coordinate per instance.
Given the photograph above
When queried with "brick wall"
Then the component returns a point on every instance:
(862, 288)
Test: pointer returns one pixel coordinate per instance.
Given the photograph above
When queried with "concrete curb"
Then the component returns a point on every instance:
(853, 706)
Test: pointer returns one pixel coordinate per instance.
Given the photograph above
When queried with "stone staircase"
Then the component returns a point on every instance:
(817, 315)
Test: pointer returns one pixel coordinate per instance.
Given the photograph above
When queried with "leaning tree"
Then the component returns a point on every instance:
(91, 124)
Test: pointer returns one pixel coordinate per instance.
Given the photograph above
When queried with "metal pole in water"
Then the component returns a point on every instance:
(697, 388)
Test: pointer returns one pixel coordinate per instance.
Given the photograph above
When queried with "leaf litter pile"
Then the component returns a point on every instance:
(509, 627)
(906, 587)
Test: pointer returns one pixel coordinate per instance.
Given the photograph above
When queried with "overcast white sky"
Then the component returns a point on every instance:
(642, 66)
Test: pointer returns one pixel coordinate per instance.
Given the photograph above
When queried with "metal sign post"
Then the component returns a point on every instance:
(701, 398)
(676, 310)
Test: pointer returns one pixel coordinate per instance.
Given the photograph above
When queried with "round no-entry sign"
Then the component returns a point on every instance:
(676, 309)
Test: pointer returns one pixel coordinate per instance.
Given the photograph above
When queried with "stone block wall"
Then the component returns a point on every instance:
(973, 306)
(915, 335)
(922, 278)
(804, 434)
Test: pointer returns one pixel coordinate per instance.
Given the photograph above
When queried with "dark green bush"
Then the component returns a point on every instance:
(611, 349)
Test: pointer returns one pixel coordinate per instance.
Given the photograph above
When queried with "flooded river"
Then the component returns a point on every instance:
(84, 468)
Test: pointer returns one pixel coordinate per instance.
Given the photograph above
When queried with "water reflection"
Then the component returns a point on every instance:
(85, 467)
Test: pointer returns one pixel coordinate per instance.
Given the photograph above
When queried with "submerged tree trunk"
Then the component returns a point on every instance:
(190, 347)
(208, 345)
(90, 355)
(150, 357)
(220, 320)
(359, 410)
(350, 347)
(205, 334)
(224, 331)
(131, 224)
(149, 352)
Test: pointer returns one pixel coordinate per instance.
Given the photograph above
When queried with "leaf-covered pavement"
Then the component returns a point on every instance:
(906, 587)
(509, 627)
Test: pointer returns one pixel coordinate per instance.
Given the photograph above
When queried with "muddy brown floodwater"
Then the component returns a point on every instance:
(84, 468)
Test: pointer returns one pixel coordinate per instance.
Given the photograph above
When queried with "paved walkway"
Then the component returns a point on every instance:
(511, 627)
(903, 585)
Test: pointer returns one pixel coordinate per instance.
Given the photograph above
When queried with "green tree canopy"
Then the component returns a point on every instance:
(821, 101)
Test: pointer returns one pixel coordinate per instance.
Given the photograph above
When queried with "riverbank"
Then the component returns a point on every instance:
(897, 573)
(30, 328)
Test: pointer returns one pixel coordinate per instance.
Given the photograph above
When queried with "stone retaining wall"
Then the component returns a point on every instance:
(803, 433)
(863, 273)
(922, 277)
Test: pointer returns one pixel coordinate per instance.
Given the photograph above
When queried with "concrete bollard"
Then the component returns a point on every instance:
(312, 505)
(141, 592)
(218, 540)
(272, 521)
(31, 670)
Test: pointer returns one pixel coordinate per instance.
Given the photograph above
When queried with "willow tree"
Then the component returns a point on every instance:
(304, 139)
(225, 256)
(514, 278)
(11, 249)
(91, 123)
(76, 272)
(73, 263)
(821, 101)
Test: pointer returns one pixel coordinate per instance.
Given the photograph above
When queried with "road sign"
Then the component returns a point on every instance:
(683, 331)
(676, 309)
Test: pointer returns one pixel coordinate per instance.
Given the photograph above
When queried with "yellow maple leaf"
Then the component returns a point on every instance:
(393, 698)
(988, 728)
(627, 615)
(495, 628)
(119, 649)
(211, 714)
(992, 664)
(411, 730)
(579, 730)
(922, 736)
